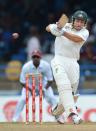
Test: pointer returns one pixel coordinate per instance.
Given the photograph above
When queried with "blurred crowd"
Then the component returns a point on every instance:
(30, 17)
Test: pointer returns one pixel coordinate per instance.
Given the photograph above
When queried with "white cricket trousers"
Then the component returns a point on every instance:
(66, 75)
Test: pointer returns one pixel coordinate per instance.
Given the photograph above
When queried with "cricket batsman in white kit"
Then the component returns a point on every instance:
(69, 40)
(35, 66)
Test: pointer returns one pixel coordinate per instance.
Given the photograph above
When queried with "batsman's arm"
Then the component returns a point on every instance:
(51, 28)
(54, 30)
(77, 37)
(73, 37)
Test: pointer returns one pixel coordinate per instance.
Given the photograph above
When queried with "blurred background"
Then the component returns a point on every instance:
(29, 18)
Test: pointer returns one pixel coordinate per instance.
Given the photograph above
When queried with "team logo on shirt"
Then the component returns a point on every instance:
(67, 27)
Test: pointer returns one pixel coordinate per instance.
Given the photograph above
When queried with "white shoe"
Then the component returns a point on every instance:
(61, 119)
(76, 119)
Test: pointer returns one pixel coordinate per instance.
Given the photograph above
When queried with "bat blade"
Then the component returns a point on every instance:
(63, 20)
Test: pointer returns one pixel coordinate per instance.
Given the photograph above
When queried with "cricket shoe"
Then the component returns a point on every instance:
(57, 112)
(76, 119)
(60, 119)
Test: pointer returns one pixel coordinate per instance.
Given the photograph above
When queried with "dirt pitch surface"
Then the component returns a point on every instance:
(47, 127)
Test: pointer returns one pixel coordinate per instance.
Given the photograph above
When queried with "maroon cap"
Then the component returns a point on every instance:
(36, 53)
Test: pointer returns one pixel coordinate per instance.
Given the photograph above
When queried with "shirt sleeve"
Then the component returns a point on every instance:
(48, 73)
(83, 34)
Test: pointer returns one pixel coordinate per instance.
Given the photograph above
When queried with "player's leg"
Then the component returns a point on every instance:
(64, 88)
(59, 112)
(20, 105)
(73, 75)
(50, 97)
(75, 92)
(76, 96)
(59, 109)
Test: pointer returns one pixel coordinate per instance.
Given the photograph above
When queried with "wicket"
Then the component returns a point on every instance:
(33, 97)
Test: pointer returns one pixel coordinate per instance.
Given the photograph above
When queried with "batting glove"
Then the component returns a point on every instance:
(55, 31)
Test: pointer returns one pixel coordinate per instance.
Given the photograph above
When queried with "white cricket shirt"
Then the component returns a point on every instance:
(68, 48)
(44, 68)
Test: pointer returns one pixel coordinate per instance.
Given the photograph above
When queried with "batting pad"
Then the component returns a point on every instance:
(58, 110)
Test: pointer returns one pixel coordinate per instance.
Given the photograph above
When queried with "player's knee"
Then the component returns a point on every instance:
(62, 87)
(61, 82)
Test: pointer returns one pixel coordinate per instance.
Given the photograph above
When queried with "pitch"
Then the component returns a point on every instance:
(88, 126)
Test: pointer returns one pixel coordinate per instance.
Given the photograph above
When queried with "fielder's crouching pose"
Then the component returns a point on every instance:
(35, 66)
(68, 42)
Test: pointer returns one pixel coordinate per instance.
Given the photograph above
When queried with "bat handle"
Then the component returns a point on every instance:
(59, 25)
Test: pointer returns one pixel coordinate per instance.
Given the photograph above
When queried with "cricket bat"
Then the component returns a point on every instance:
(63, 20)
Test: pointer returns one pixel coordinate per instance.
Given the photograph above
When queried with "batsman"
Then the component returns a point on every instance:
(70, 37)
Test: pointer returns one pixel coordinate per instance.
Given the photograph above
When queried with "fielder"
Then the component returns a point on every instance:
(36, 65)
(69, 40)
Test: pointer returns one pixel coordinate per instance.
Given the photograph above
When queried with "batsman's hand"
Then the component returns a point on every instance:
(48, 28)
(52, 28)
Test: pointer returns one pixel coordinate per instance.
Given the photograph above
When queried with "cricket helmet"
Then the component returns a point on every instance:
(80, 15)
